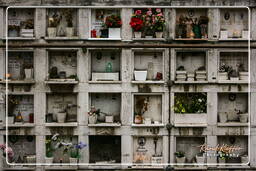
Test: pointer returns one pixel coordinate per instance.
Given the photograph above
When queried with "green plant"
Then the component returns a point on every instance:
(68, 16)
(74, 77)
(28, 24)
(225, 68)
(158, 21)
(49, 149)
(113, 21)
(190, 103)
(179, 154)
(54, 20)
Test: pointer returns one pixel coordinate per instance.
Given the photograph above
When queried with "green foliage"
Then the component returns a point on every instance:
(190, 103)
(179, 154)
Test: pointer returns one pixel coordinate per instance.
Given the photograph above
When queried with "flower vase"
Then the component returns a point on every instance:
(61, 117)
(197, 32)
(92, 119)
(69, 31)
(73, 160)
(52, 31)
(159, 34)
(114, 32)
(137, 34)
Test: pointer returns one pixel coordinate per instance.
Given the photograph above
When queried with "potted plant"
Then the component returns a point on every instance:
(93, 115)
(223, 117)
(148, 24)
(75, 152)
(137, 23)
(244, 158)
(224, 72)
(7, 153)
(159, 23)
(49, 151)
(180, 157)
(243, 73)
(13, 30)
(140, 75)
(234, 75)
(53, 22)
(69, 20)
(113, 23)
(28, 70)
(12, 102)
(200, 158)
(27, 28)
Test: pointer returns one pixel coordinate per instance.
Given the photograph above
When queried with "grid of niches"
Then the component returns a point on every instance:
(125, 94)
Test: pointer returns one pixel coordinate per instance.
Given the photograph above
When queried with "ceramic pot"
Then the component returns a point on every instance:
(69, 31)
(223, 76)
(137, 34)
(28, 73)
(52, 31)
(159, 34)
(200, 159)
(48, 160)
(140, 75)
(181, 160)
(223, 117)
(10, 119)
(243, 118)
(114, 32)
(61, 117)
(92, 119)
(73, 160)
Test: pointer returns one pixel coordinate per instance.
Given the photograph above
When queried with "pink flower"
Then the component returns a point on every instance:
(138, 12)
(158, 10)
(160, 14)
(149, 13)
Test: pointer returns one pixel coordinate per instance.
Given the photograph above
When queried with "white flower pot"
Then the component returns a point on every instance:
(27, 32)
(140, 75)
(61, 117)
(245, 34)
(109, 119)
(234, 78)
(13, 33)
(181, 160)
(52, 31)
(156, 160)
(159, 34)
(222, 162)
(223, 76)
(223, 34)
(243, 76)
(137, 34)
(105, 76)
(28, 73)
(69, 31)
(200, 159)
(223, 117)
(48, 160)
(73, 160)
(31, 159)
(114, 32)
(244, 159)
(10, 119)
(147, 121)
(243, 118)
(92, 119)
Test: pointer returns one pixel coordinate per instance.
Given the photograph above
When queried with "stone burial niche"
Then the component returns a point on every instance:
(104, 149)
